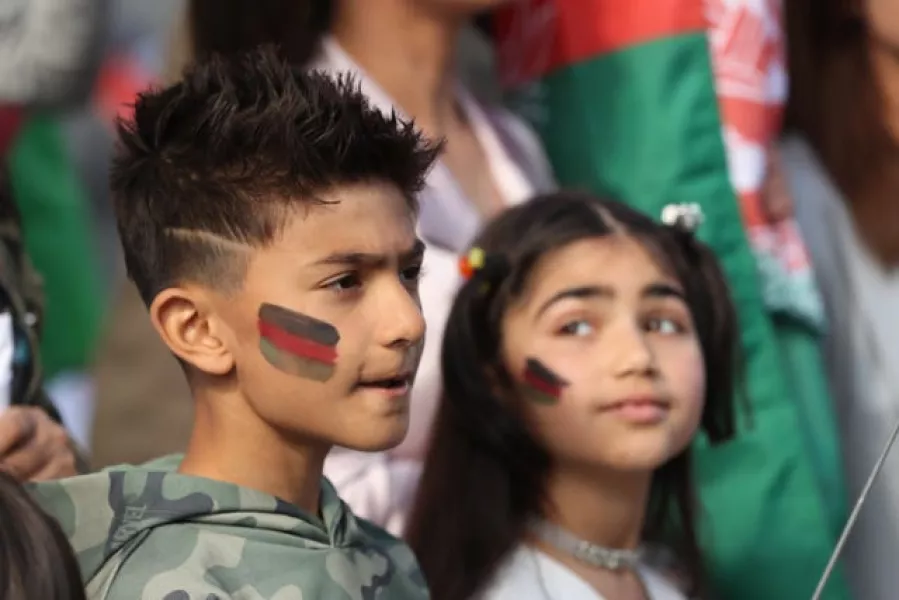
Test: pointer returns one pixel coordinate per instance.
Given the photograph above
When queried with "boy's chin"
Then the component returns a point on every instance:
(378, 437)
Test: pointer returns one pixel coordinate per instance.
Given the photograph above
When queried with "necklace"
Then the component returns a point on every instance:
(614, 559)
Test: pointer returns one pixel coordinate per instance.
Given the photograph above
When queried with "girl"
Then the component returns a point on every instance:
(580, 358)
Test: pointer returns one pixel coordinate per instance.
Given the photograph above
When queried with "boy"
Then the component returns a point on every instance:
(268, 220)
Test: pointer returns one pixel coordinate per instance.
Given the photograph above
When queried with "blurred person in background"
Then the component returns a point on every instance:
(841, 159)
(403, 54)
(33, 443)
(132, 57)
(49, 56)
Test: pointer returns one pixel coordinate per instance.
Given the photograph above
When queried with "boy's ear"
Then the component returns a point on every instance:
(186, 322)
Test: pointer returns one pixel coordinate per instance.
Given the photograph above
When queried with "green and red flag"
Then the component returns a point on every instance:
(679, 101)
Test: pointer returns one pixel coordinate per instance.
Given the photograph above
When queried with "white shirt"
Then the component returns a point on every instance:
(380, 486)
(529, 574)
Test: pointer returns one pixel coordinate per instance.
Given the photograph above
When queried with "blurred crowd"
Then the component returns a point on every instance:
(780, 119)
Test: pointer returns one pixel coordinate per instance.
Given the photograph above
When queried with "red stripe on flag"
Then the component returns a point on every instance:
(11, 118)
(297, 346)
(541, 385)
(538, 36)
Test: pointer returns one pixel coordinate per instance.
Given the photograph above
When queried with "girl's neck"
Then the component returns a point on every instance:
(408, 50)
(603, 508)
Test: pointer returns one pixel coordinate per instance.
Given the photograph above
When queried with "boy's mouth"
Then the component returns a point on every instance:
(397, 384)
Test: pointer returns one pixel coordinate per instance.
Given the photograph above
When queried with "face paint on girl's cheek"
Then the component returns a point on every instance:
(296, 343)
(544, 386)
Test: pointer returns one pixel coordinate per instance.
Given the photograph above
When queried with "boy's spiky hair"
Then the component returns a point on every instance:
(227, 153)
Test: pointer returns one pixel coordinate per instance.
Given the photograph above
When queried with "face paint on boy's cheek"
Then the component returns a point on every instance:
(542, 384)
(296, 343)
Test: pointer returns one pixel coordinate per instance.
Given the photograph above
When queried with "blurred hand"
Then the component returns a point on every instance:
(776, 197)
(34, 447)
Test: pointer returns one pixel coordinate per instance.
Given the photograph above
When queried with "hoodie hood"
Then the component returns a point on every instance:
(125, 512)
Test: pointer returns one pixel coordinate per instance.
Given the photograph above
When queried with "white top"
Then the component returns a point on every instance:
(529, 574)
(380, 486)
(862, 354)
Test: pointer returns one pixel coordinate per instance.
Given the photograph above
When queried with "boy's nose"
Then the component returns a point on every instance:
(404, 321)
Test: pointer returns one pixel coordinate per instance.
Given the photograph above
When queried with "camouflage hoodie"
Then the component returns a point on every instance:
(151, 533)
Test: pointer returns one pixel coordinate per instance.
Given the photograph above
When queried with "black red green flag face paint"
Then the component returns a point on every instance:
(544, 386)
(296, 343)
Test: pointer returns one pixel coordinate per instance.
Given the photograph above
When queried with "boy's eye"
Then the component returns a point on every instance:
(411, 274)
(578, 328)
(345, 283)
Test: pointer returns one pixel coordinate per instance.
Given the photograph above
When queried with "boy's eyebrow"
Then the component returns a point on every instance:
(370, 259)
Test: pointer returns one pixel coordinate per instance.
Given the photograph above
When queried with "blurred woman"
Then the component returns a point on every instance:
(842, 162)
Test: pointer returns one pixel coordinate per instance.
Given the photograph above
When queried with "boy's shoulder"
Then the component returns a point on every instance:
(261, 550)
(204, 561)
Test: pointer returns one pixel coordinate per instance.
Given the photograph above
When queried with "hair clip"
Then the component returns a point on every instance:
(471, 262)
(685, 217)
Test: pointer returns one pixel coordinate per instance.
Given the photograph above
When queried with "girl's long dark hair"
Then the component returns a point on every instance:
(837, 105)
(484, 474)
(296, 27)
(36, 560)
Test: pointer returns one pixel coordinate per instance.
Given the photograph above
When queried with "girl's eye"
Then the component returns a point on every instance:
(578, 328)
(664, 326)
(345, 283)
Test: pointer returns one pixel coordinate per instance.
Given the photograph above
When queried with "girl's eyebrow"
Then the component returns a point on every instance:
(581, 292)
(656, 289)
(663, 290)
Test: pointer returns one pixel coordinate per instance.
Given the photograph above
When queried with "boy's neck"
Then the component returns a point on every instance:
(231, 443)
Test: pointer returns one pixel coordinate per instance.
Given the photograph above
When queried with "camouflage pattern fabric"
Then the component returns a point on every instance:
(154, 534)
